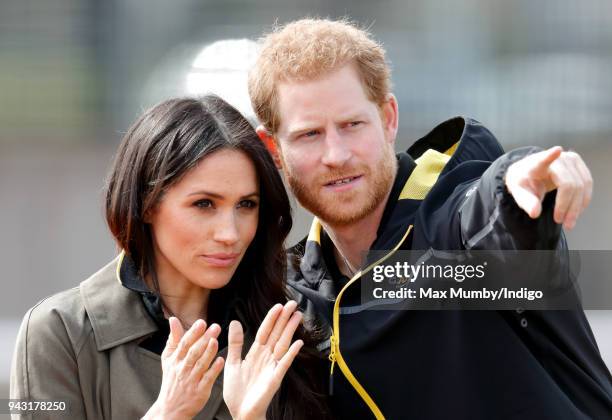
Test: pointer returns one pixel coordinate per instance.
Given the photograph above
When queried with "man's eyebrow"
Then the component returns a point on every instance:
(254, 194)
(293, 131)
(354, 117)
(304, 128)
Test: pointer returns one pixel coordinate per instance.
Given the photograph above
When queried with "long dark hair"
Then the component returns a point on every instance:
(162, 145)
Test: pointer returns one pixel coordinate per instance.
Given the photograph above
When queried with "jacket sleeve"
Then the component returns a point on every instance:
(490, 218)
(44, 366)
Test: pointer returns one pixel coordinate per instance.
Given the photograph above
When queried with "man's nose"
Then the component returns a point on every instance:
(226, 228)
(337, 151)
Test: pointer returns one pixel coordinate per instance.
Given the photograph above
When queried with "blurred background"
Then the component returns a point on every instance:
(75, 73)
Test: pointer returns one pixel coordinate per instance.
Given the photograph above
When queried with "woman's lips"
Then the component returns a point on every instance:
(221, 259)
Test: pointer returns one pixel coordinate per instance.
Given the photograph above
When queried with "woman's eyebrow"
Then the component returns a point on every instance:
(254, 194)
(202, 192)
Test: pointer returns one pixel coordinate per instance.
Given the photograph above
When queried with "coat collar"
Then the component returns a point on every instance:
(117, 314)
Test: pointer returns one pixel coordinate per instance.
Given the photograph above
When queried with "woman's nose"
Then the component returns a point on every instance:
(226, 229)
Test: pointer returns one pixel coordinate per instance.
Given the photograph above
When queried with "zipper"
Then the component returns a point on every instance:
(334, 340)
(332, 359)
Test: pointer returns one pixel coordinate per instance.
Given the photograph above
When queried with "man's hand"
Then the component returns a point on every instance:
(530, 178)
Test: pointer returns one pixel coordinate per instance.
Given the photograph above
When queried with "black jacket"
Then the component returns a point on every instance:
(452, 364)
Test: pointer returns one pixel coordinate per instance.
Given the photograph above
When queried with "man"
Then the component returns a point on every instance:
(321, 90)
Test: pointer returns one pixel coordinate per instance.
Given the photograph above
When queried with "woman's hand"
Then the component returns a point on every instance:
(250, 384)
(188, 375)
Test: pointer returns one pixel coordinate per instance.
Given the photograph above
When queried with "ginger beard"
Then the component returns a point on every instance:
(345, 208)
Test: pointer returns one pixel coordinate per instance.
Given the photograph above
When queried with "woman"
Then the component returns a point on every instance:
(200, 213)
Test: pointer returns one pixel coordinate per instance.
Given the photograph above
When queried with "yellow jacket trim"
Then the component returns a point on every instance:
(335, 355)
(452, 149)
(315, 231)
(425, 174)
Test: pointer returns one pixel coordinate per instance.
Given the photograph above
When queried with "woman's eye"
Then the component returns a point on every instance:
(203, 203)
(249, 204)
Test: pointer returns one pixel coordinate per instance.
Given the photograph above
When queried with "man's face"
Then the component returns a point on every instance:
(336, 146)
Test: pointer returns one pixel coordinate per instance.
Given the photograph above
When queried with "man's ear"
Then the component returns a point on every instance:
(390, 117)
(270, 142)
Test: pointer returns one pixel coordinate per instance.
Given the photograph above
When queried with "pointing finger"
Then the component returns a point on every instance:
(544, 159)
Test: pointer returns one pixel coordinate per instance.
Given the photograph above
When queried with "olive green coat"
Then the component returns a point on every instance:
(81, 346)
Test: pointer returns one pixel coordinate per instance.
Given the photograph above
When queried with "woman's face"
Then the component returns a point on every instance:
(205, 222)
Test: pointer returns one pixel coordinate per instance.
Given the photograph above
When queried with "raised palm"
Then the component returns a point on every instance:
(250, 384)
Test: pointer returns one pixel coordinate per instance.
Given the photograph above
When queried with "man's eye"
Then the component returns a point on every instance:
(250, 204)
(355, 123)
(310, 133)
(206, 203)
